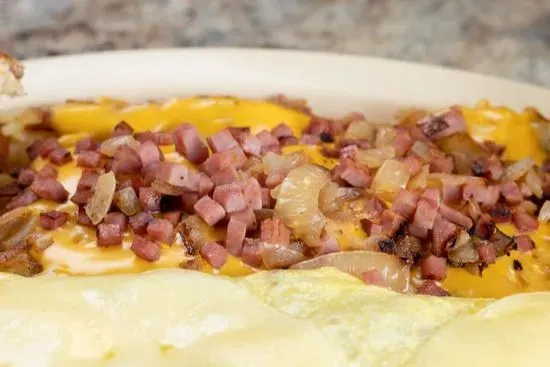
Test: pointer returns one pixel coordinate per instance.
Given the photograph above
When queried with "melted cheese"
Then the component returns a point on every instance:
(74, 251)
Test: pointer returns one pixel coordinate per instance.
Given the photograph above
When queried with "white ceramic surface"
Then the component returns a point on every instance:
(332, 83)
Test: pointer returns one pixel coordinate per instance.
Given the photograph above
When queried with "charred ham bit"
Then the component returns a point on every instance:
(108, 235)
(430, 288)
(145, 249)
(49, 189)
(53, 219)
(442, 125)
(139, 222)
(500, 213)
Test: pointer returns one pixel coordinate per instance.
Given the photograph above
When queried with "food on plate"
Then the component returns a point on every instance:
(451, 202)
(11, 73)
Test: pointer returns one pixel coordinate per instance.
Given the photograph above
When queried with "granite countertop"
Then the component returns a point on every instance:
(510, 38)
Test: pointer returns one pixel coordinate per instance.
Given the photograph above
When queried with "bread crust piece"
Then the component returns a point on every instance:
(11, 73)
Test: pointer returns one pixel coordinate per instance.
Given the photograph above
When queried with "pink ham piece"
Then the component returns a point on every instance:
(221, 141)
(444, 164)
(172, 216)
(81, 196)
(225, 176)
(149, 199)
(88, 179)
(374, 208)
(451, 192)
(139, 222)
(108, 235)
(525, 222)
(440, 126)
(288, 141)
(83, 219)
(48, 146)
(122, 128)
(253, 194)
(524, 243)
(60, 157)
(250, 253)
(49, 189)
(494, 168)
(149, 153)
(274, 179)
(248, 217)
(432, 196)
(53, 219)
(274, 231)
(145, 249)
(214, 254)
(487, 253)
(85, 145)
(231, 158)
(434, 268)
(126, 161)
(267, 201)
(89, 159)
(269, 142)
(404, 203)
(456, 217)
(33, 150)
(48, 171)
(442, 232)
(354, 174)
(230, 197)
(26, 177)
(189, 199)
(391, 222)
(209, 210)
(417, 231)
(238, 130)
(236, 232)
(118, 219)
(430, 288)
(163, 138)
(205, 184)
(178, 175)
(282, 131)
(250, 144)
(371, 228)
(427, 208)
(486, 196)
(310, 139)
(188, 143)
(402, 142)
(511, 192)
(160, 230)
(413, 163)
(373, 277)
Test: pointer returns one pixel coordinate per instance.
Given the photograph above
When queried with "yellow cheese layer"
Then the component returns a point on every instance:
(75, 252)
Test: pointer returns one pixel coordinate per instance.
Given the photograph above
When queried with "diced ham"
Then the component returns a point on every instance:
(48, 146)
(188, 143)
(236, 232)
(33, 150)
(253, 194)
(443, 164)
(83, 219)
(225, 176)
(49, 189)
(139, 222)
(82, 196)
(108, 235)
(402, 142)
(432, 196)
(205, 184)
(230, 158)
(413, 163)
(500, 213)
(486, 196)
(250, 144)
(330, 153)
(456, 217)
(434, 268)
(230, 197)
(221, 141)
(214, 254)
(269, 142)
(371, 228)
(318, 125)
(88, 179)
(374, 208)
(418, 231)
(145, 249)
(53, 219)
(487, 253)
(60, 157)
(310, 139)
(160, 230)
(484, 227)
(149, 153)
(248, 217)
(430, 288)
(238, 130)
(404, 203)
(163, 138)
(494, 168)
(250, 254)
(26, 177)
(440, 126)
(189, 199)
(85, 145)
(122, 128)
(282, 131)
(511, 192)
(267, 201)
(173, 217)
(442, 232)
(126, 161)
(359, 143)
(425, 214)
(354, 174)
(178, 175)
(391, 222)
(327, 245)
(373, 277)
(48, 171)
(149, 199)
(288, 141)
(274, 179)
(118, 219)
(89, 159)
(452, 192)
(209, 210)
(525, 222)
(524, 243)
(274, 231)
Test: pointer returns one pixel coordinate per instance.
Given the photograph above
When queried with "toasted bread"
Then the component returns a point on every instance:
(11, 73)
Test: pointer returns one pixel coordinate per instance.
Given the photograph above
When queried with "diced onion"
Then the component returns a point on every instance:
(393, 271)
(518, 169)
(332, 196)
(421, 149)
(16, 225)
(276, 255)
(104, 192)
(456, 179)
(298, 202)
(391, 177)
(273, 162)
(463, 251)
(534, 183)
(544, 215)
(109, 146)
(542, 128)
(360, 130)
(374, 158)
(420, 181)
(127, 201)
(385, 135)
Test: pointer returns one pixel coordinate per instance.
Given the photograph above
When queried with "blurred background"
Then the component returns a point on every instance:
(509, 38)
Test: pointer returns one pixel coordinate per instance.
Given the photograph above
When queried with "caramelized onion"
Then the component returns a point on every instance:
(394, 273)
(518, 169)
(283, 163)
(332, 196)
(127, 201)
(109, 146)
(100, 202)
(391, 177)
(15, 225)
(463, 252)
(544, 215)
(167, 189)
(534, 183)
(277, 256)
(195, 232)
(420, 181)
(374, 158)
(298, 202)
(421, 149)
(385, 135)
(360, 129)
(464, 150)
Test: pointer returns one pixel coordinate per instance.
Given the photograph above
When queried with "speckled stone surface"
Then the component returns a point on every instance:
(510, 38)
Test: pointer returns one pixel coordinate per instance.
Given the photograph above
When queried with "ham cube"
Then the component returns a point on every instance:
(89, 159)
(209, 210)
(139, 222)
(149, 199)
(250, 253)
(160, 230)
(108, 235)
(230, 197)
(49, 189)
(236, 232)
(225, 176)
(487, 253)
(404, 203)
(118, 219)
(178, 175)
(26, 177)
(149, 153)
(250, 144)
(188, 143)
(443, 231)
(253, 194)
(53, 219)
(48, 146)
(274, 231)
(122, 128)
(126, 161)
(234, 157)
(434, 268)
(145, 249)
(85, 145)
(524, 243)
(282, 131)
(425, 214)
(248, 217)
(523, 221)
(214, 254)
(60, 157)
(221, 141)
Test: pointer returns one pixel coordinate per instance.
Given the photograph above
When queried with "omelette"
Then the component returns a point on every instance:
(218, 231)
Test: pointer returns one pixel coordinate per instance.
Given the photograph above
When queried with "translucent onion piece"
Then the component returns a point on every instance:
(104, 192)
(298, 202)
(127, 201)
(374, 158)
(15, 225)
(518, 169)
(544, 215)
(277, 256)
(391, 177)
(455, 179)
(396, 275)
(463, 251)
(385, 135)
(283, 163)
(166, 188)
(534, 183)
(332, 196)
(420, 181)
(542, 128)
(421, 149)
(360, 130)
(109, 146)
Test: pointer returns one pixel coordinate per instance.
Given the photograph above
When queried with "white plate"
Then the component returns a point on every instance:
(332, 83)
